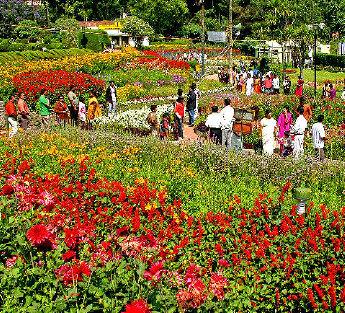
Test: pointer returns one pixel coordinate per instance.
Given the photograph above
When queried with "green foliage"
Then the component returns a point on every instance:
(12, 57)
(29, 30)
(96, 40)
(137, 28)
(68, 31)
(166, 17)
(330, 60)
(191, 30)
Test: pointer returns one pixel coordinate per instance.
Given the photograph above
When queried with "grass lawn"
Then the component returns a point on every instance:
(321, 76)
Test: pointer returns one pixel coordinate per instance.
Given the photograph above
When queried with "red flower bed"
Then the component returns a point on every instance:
(55, 82)
(98, 225)
(155, 60)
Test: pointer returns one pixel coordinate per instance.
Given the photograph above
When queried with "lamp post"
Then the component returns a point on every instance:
(202, 2)
(230, 36)
(315, 27)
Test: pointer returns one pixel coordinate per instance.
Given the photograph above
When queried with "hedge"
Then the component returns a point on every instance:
(97, 40)
(331, 60)
(10, 57)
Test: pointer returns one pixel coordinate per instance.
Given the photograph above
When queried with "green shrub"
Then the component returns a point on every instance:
(96, 40)
(5, 45)
(9, 57)
(330, 60)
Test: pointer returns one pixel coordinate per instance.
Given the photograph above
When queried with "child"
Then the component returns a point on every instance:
(152, 120)
(287, 144)
(164, 126)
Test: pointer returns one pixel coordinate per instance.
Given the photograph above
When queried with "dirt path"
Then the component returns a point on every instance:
(189, 134)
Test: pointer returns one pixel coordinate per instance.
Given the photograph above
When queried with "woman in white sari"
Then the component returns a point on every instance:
(268, 130)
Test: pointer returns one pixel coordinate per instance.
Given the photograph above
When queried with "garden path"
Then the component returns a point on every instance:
(189, 134)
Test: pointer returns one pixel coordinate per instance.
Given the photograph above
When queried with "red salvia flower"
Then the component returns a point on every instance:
(333, 296)
(311, 298)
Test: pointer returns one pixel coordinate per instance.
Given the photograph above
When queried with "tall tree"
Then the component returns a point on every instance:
(11, 13)
(166, 17)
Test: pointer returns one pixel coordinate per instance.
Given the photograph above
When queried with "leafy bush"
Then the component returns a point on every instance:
(330, 60)
(96, 40)
(29, 30)
(5, 45)
(6, 57)
(68, 31)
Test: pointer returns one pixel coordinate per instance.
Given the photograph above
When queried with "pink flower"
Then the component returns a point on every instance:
(10, 262)
(217, 285)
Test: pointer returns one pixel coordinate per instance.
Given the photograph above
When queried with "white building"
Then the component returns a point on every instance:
(275, 50)
(113, 29)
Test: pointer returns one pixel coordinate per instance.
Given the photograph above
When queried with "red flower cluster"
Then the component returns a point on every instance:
(73, 273)
(97, 222)
(59, 81)
(40, 237)
(137, 306)
(155, 60)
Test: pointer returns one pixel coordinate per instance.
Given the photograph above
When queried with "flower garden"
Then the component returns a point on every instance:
(99, 222)
(105, 221)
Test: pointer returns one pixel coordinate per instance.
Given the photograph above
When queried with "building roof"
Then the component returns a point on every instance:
(95, 23)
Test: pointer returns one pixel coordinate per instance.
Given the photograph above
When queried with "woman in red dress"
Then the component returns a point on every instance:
(299, 87)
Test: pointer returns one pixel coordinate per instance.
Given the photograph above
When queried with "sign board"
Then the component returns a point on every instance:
(115, 25)
(216, 36)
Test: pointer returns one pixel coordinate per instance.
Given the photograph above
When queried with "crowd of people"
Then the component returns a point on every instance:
(283, 134)
(163, 128)
(252, 81)
(69, 109)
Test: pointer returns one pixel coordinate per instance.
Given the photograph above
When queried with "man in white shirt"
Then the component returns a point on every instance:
(319, 136)
(111, 98)
(275, 84)
(213, 122)
(227, 119)
(298, 129)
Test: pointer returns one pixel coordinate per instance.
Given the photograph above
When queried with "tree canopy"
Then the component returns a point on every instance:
(260, 19)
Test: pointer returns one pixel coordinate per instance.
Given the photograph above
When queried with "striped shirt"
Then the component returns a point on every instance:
(318, 132)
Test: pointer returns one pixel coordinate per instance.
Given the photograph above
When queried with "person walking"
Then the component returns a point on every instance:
(249, 85)
(82, 112)
(227, 120)
(44, 108)
(111, 98)
(307, 109)
(332, 92)
(319, 137)
(94, 110)
(287, 85)
(268, 129)
(11, 112)
(284, 125)
(213, 122)
(152, 120)
(276, 84)
(298, 130)
(299, 87)
(23, 111)
(178, 118)
(73, 106)
(61, 111)
(191, 104)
